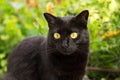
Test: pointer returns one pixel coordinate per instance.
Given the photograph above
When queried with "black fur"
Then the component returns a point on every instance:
(39, 58)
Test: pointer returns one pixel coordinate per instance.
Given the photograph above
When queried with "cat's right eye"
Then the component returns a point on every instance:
(57, 36)
(74, 35)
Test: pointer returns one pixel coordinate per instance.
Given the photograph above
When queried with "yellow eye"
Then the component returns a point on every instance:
(74, 35)
(57, 36)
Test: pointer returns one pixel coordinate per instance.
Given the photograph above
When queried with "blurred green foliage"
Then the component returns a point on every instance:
(22, 18)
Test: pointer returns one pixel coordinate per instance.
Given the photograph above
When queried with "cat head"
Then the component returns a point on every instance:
(68, 34)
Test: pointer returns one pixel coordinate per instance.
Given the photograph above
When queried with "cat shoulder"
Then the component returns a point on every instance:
(28, 46)
(25, 53)
(34, 41)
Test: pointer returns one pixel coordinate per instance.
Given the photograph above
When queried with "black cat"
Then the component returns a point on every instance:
(62, 55)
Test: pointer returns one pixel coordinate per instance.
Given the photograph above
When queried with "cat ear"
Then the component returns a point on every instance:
(83, 17)
(50, 18)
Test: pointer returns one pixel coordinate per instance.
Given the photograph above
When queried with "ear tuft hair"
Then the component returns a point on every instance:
(83, 16)
(50, 18)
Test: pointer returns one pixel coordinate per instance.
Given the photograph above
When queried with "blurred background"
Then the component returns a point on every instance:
(23, 18)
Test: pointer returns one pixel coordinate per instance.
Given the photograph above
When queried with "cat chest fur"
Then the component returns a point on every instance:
(71, 65)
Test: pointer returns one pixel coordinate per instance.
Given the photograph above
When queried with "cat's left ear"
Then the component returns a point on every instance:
(50, 18)
(83, 17)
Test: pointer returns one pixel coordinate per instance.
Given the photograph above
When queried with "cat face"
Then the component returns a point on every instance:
(68, 34)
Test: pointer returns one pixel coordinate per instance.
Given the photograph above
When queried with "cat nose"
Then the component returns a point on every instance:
(64, 45)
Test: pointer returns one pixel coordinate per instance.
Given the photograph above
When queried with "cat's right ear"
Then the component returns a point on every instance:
(83, 17)
(50, 18)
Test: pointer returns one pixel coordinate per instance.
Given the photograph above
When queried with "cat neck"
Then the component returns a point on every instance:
(68, 64)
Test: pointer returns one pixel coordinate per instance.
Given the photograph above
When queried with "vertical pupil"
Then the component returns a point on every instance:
(73, 34)
(57, 35)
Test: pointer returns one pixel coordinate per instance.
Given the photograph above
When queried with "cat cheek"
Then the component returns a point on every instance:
(78, 41)
(73, 48)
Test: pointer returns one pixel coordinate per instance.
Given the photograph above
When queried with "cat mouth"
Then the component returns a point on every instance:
(66, 52)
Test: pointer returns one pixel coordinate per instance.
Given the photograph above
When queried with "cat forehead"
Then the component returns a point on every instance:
(66, 19)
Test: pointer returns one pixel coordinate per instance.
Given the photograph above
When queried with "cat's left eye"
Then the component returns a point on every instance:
(74, 35)
(57, 36)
